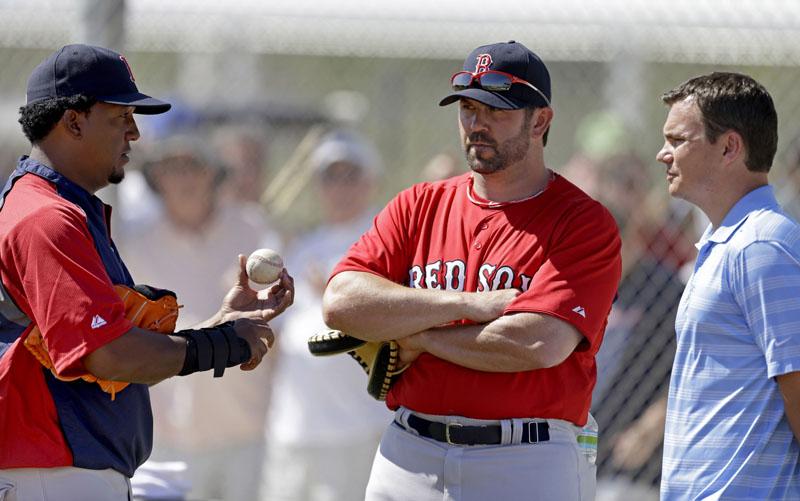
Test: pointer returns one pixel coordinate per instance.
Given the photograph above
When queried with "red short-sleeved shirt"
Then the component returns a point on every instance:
(52, 235)
(561, 248)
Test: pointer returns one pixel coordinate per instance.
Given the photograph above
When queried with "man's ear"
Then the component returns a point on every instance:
(72, 122)
(540, 122)
(732, 146)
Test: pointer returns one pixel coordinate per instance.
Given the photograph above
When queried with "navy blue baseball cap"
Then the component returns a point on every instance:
(512, 58)
(91, 71)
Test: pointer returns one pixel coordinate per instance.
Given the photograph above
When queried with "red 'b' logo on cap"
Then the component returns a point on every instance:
(483, 61)
(130, 72)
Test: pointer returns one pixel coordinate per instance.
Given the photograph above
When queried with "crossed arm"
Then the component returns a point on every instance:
(373, 308)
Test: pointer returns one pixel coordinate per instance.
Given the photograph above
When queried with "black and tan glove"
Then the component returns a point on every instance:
(379, 359)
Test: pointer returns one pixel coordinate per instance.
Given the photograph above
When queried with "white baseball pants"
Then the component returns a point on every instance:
(409, 467)
(63, 484)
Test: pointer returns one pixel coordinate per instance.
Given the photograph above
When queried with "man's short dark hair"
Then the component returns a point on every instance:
(38, 119)
(732, 101)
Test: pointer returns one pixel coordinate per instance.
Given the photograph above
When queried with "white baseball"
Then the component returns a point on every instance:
(264, 266)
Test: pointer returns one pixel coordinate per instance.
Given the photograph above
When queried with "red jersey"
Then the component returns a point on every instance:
(561, 248)
(58, 264)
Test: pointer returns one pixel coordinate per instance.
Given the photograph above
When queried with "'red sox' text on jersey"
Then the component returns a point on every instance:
(560, 247)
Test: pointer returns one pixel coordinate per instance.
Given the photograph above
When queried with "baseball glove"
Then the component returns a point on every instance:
(147, 307)
(379, 360)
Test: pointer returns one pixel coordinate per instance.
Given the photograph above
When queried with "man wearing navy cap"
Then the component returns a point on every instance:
(497, 285)
(74, 365)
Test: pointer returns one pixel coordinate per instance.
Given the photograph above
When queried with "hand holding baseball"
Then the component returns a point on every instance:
(244, 302)
(264, 266)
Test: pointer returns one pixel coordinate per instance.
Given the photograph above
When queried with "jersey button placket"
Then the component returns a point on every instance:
(482, 226)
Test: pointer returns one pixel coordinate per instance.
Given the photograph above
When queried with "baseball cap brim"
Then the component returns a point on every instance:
(493, 99)
(144, 104)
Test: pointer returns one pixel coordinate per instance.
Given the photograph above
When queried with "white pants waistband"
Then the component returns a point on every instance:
(511, 429)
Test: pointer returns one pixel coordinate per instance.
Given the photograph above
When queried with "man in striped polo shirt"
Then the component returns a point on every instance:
(733, 416)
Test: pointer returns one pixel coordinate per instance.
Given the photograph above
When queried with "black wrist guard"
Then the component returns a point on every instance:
(215, 348)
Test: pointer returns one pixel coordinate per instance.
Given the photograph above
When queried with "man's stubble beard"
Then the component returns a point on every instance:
(507, 153)
(116, 176)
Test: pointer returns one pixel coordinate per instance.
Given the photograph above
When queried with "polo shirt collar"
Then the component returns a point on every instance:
(760, 198)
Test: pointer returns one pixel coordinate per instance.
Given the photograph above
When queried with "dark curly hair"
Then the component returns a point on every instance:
(38, 119)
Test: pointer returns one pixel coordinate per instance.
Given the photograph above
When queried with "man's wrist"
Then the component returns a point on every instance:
(416, 341)
(214, 348)
(216, 319)
(460, 302)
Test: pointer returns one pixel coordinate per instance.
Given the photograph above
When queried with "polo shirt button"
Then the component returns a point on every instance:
(478, 245)
(484, 226)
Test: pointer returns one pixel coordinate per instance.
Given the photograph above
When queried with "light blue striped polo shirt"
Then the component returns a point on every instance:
(738, 326)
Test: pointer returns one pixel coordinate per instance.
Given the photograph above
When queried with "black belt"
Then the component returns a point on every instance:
(457, 434)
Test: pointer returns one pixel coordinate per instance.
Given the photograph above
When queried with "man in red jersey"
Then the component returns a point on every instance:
(63, 434)
(497, 285)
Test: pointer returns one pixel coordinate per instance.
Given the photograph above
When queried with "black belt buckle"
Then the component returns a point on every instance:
(538, 431)
(447, 432)
(533, 432)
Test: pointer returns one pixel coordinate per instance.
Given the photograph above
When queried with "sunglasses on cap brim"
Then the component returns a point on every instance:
(491, 80)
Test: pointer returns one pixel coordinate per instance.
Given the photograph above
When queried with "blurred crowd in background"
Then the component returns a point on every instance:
(297, 152)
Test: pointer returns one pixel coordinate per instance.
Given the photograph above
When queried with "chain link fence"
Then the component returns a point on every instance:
(288, 71)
